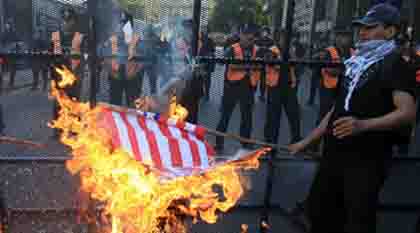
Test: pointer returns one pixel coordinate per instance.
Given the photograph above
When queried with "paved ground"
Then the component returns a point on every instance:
(46, 185)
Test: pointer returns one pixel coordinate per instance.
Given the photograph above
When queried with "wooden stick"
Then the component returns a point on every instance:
(12, 140)
(213, 132)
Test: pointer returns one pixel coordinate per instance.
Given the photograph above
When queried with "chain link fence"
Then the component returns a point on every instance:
(162, 25)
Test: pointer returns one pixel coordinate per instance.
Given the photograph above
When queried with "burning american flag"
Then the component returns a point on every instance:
(145, 169)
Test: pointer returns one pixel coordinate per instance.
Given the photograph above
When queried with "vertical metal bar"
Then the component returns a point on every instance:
(196, 26)
(92, 51)
(285, 71)
(313, 26)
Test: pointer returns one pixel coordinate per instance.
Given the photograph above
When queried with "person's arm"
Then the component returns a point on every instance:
(314, 136)
(404, 114)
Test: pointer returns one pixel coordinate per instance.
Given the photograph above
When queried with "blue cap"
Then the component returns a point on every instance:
(380, 14)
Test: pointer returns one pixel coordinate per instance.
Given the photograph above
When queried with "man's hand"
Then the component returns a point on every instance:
(348, 126)
(297, 147)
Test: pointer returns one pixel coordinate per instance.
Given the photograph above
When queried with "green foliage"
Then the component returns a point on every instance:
(229, 13)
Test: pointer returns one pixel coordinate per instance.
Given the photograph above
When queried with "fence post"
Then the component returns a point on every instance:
(92, 51)
(285, 70)
(196, 27)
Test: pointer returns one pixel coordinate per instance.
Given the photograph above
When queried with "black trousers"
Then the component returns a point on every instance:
(315, 85)
(344, 195)
(123, 85)
(38, 69)
(2, 125)
(10, 67)
(263, 85)
(280, 98)
(234, 92)
(151, 73)
(326, 101)
(207, 84)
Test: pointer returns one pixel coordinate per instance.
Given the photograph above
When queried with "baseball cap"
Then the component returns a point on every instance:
(380, 14)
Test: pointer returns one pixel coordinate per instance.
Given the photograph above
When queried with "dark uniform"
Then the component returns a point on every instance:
(64, 42)
(240, 86)
(149, 49)
(124, 75)
(280, 95)
(265, 42)
(39, 65)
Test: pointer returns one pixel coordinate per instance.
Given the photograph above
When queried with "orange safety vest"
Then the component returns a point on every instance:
(273, 74)
(236, 75)
(132, 66)
(328, 80)
(75, 47)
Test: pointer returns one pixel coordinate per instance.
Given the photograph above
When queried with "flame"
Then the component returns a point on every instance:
(177, 111)
(134, 196)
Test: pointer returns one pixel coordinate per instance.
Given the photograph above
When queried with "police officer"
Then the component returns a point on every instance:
(265, 42)
(8, 42)
(149, 50)
(240, 84)
(67, 42)
(341, 51)
(123, 76)
(281, 94)
(39, 65)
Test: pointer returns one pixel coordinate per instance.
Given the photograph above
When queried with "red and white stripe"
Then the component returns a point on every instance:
(165, 144)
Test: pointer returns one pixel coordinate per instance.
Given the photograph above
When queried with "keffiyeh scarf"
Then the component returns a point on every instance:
(367, 54)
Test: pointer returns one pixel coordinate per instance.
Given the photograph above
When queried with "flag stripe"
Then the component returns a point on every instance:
(173, 146)
(194, 149)
(155, 153)
(141, 139)
(163, 145)
(184, 147)
(122, 131)
(202, 151)
(115, 139)
(132, 137)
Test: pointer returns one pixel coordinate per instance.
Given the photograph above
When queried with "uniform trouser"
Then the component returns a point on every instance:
(346, 196)
(280, 98)
(263, 86)
(121, 85)
(242, 92)
(152, 75)
(207, 84)
(9, 66)
(326, 101)
(2, 126)
(315, 85)
(38, 69)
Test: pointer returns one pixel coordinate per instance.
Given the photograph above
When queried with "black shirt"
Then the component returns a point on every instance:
(372, 98)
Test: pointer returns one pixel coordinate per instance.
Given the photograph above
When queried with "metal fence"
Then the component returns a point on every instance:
(309, 27)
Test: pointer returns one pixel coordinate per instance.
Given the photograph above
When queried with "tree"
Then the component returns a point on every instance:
(230, 13)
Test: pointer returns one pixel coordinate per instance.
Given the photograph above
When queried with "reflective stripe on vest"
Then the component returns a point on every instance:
(273, 74)
(328, 80)
(236, 75)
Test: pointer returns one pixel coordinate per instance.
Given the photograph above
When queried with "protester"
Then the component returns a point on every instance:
(374, 100)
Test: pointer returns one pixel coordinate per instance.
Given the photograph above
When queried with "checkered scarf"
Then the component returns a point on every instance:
(367, 54)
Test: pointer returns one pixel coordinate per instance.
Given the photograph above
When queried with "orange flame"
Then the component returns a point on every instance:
(134, 196)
